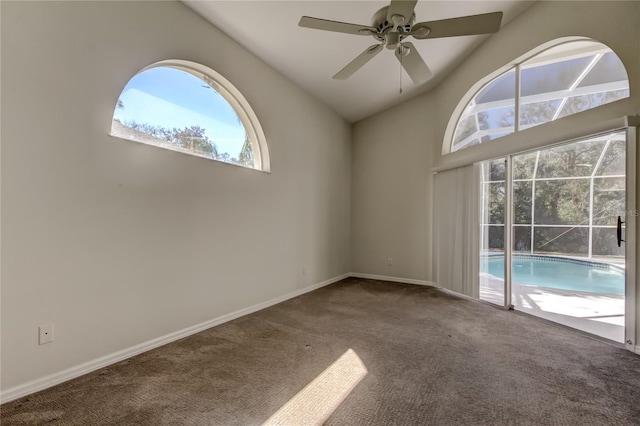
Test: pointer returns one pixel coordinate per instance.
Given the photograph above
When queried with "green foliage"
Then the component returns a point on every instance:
(555, 183)
(465, 128)
(192, 138)
(539, 112)
(246, 154)
(562, 202)
(582, 103)
(522, 202)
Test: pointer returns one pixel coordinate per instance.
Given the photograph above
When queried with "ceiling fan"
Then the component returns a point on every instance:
(393, 24)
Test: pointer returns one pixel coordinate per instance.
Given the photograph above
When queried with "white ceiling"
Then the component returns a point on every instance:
(269, 29)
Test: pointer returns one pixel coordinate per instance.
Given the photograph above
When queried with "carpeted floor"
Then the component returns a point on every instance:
(380, 353)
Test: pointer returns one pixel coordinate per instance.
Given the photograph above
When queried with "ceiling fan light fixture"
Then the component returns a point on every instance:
(392, 39)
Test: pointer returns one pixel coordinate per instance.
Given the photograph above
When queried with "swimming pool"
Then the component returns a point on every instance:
(559, 272)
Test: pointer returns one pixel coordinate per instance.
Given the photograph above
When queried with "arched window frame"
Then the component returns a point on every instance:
(248, 118)
(515, 65)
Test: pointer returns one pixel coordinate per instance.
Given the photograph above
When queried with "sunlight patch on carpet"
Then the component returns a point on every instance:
(318, 400)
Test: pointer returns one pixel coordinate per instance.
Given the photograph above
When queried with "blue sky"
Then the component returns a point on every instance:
(169, 97)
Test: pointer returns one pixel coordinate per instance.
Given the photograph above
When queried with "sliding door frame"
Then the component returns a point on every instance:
(508, 230)
(631, 215)
(630, 236)
(575, 129)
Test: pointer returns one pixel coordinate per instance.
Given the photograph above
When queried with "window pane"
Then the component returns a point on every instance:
(605, 243)
(563, 80)
(572, 241)
(551, 77)
(609, 68)
(492, 171)
(608, 200)
(522, 202)
(173, 108)
(466, 128)
(576, 159)
(493, 210)
(538, 112)
(562, 202)
(576, 104)
(613, 162)
(491, 282)
(523, 166)
(493, 238)
(497, 118)
(567, 79)
(497, 170)
(522, 239)
(500, 89)
(489, 115)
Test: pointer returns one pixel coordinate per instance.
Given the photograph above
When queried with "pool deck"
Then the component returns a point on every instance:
(595, 313)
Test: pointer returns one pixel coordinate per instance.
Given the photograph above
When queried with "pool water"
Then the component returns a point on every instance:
(564, 275)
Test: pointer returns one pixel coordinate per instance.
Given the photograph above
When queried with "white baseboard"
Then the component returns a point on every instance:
(392, 279)
(87, 367)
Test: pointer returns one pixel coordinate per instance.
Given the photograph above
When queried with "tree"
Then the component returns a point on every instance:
(561, 197)
(192, 138)
(246, 154)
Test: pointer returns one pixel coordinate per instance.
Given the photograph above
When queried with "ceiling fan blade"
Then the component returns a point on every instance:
(335, 26)
(401, 7)
(485, 23)
(358, 62)
(413, 63)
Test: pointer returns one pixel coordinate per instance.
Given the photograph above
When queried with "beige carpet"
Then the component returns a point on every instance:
(358, 352)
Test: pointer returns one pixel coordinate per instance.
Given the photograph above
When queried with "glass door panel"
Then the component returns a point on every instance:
(567, 265)
(492, 209)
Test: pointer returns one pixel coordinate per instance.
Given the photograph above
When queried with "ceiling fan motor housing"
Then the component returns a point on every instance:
(382, 25)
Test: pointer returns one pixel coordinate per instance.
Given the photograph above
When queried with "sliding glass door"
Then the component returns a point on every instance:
(552, 223)
(492, 209)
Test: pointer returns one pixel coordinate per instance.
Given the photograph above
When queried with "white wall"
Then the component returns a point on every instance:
(117, 243)
(391, 181)
(394, 151)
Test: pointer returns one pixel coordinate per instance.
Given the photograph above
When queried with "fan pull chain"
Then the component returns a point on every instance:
(401, 64)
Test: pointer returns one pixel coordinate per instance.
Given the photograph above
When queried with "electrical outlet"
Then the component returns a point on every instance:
(45, 334)
(304, 270)
(390, 261)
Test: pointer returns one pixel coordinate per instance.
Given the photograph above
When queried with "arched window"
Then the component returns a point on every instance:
(562, 80)
(186, 107)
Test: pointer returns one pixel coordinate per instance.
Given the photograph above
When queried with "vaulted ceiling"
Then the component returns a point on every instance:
(311, 57)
